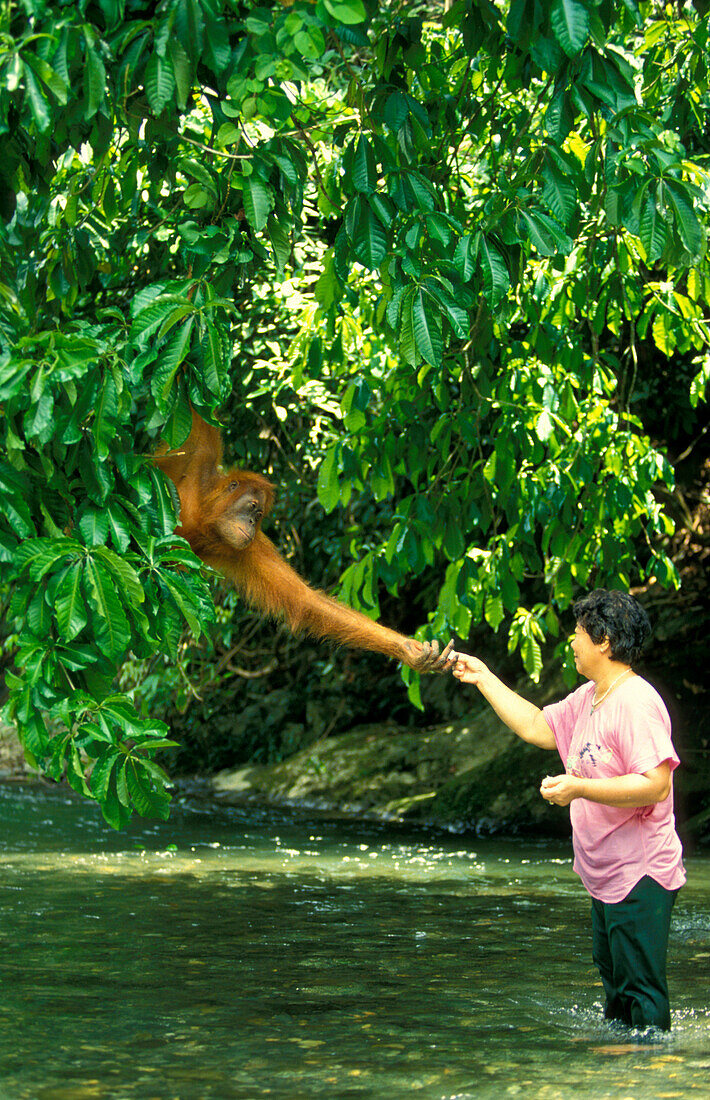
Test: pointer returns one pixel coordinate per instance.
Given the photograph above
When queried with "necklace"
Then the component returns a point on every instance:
(597, 702)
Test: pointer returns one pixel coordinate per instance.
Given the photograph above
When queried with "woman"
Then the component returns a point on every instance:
(614, 737)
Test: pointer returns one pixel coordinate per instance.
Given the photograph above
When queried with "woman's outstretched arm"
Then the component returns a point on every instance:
(522, 717)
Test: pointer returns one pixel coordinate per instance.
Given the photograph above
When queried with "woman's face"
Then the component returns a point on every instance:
(587, 654)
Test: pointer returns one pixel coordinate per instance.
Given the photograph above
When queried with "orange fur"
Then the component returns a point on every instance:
(258, 570)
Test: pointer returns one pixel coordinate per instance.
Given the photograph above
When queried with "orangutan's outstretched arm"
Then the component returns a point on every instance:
(271, 585)
(220, 516)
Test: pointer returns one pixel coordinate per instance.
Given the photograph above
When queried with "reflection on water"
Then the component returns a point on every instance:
(241, 953)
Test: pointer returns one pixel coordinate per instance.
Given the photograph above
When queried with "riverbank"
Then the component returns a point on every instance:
(472, 775)
(469, 775)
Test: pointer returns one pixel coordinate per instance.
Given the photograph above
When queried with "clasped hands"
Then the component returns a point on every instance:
(560, 789)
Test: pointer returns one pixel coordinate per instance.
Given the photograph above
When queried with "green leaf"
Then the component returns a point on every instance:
(105, 415)
(182, 72)
(493, 269)
(119, 711)
(423, 191)
(570, 23)
(179, 313)
(545, 234)
(114, 812)
(159, 82)
(178, 426)
(93, 525)
(382, 207)
(78, 657)
(39, 419)
(112, 625)
(122, 785)
(532, 657)
(493, 612)
(370, 239)
(41, 554)
(213, 359)
(94, 81)
(310, 43)
(39, 617)
(510, 590)
(47, 74)
(160, 507)
(689, 228)
(663, 331)
(346, 11)
(544, 426)
(364, 169)
(148, 801)
(172, 355)
(396, 111)
(102, 771)
(258, 201)
(559, 116)
(196, 197)
(69, 606)
(150, 317)
(559, 194)
(328, 483)
(280, 243)
(118, 526)
(458, 318)
(700, 382)
(653, 232)
(124, 573)
(465, 257)
(407, 343)
(183, 597)
(38, 102)
(75, 772)
(427, 329)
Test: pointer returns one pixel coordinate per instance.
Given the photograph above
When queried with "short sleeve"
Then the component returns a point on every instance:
(562, 718)
(644, 734)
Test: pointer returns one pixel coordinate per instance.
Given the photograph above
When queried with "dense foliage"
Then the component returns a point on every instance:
(486, 224)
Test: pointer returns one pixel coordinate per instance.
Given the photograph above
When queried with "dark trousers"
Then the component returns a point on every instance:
(629, 946)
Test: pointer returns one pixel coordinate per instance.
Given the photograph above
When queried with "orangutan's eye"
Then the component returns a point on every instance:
(232, 486)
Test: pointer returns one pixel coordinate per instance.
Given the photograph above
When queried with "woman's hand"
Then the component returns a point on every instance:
(468, 669)
(560, 789)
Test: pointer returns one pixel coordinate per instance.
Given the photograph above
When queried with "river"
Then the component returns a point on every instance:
(246, 953)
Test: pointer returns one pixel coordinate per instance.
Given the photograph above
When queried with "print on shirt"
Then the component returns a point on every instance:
(591, 754)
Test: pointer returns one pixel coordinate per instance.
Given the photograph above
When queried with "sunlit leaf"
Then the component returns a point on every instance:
(328, 485)
(346, 11)
(570, 23)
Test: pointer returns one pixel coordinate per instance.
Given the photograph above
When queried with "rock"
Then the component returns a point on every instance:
(471, 774)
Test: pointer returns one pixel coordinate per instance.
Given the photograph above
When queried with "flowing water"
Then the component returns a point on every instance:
(243, 953)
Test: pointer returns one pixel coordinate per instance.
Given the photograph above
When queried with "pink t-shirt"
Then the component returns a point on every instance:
(629, 733)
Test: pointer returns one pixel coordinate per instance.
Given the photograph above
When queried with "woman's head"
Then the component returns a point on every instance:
(606, 613)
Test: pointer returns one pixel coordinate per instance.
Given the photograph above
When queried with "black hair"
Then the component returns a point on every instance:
(606, 613)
